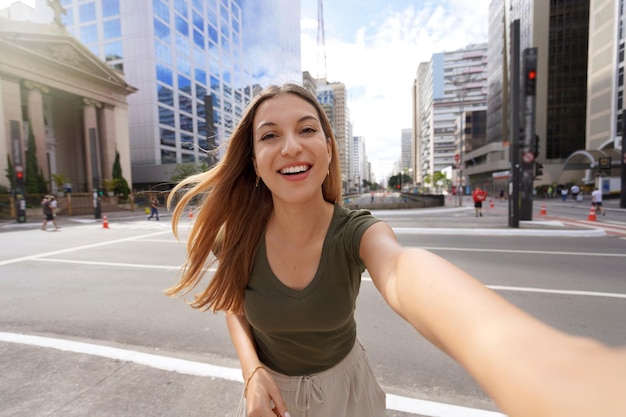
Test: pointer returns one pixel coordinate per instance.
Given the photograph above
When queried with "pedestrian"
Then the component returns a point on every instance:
(49, 205)
(289, 259)
(575, 189)
(549, 192)
(596, 201)
(501, 194)
(154, 208)
(564, 194)
(479, 196)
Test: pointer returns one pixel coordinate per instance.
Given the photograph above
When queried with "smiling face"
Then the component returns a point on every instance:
(291, 151)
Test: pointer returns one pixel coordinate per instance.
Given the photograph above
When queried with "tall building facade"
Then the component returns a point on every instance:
(334, 100)
(605, 79)
(407, 151)
(196, 63)
(449, 86)
(360, 164)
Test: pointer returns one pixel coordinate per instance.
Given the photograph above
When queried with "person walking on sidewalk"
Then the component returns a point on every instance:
(154, 208)
(288, 262)
(49, 205)
(596, 201)
(479, 196)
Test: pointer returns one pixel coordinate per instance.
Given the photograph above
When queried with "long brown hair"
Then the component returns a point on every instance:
(233, 211)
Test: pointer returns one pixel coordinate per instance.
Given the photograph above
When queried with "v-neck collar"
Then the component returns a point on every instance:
(310, 287)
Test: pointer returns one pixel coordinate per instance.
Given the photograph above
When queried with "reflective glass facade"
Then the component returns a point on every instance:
(196, 63)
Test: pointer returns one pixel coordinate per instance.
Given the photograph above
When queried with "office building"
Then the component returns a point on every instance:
(196, 64)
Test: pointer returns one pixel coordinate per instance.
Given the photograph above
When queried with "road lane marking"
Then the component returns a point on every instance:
(187, 367)
(76, 248)
(524, 251)
(539, 290)
(560, 292)
(595, 232)
(115, 264)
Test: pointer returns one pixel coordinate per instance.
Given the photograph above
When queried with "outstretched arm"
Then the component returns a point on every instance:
(261, 388)
(527, 367)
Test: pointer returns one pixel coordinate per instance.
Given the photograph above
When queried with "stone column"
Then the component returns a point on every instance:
(35, 107)
(93, 167)
(108, 139)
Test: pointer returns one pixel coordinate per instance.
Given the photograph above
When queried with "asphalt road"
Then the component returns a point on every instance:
(103, 287)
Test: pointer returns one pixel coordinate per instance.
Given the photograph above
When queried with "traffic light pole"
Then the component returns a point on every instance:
(527, 152)
(514, 127)
(19, 189)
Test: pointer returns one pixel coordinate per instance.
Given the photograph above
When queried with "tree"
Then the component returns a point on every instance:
(398, 181)
(35, 181)
(10, 175)
(183, 171)
(120, 187)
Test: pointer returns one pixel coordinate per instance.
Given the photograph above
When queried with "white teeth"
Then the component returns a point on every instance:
(294, 170)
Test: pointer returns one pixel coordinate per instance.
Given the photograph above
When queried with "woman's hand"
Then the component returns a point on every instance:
(263, 398)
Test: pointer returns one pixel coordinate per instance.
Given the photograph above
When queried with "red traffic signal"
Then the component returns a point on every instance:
(19, 175)
(532, 74)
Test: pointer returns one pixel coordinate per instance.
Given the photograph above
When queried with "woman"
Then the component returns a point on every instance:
(290, 260)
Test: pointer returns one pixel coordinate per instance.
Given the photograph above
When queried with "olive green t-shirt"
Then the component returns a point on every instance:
(308, 331)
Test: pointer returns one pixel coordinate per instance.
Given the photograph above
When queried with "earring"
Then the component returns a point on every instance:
(256, 183)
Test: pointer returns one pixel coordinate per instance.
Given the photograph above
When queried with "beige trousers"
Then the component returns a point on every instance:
(349, 389)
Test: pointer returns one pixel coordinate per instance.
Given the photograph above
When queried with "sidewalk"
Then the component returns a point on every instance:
(494, 221)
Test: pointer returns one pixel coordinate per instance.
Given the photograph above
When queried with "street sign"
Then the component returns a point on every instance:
(528, 157)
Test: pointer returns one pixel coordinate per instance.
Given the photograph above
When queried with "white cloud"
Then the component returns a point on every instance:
(378, 65)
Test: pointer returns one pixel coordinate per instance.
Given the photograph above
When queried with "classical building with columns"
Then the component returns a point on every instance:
(74, 104)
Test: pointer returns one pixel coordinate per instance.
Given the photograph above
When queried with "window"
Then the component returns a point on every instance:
(164, 75)
(168, 137)
(110, 8)
(162, 31)
(198, 39)
(88, 34)
(186, 123)
(112, 29)
(168, 156)
(166, 116)
(161, 10)
(182, 26)
(87, 12)
(165, 95)
(185, 104)
(113, 51)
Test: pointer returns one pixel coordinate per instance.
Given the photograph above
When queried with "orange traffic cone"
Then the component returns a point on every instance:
(105, 222)
(190, 214)
(592, 214)
(543, 211)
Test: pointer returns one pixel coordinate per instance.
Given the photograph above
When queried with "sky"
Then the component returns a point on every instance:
(374, 47)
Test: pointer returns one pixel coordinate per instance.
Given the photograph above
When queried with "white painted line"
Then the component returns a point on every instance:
(154, 361)
(112, 264)
(596, 232)
(73, 249)
(434, 409)
(533, 252)
(182, 366)
(561, 292)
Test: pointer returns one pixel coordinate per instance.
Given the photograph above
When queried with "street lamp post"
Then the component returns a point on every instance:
(460, 93)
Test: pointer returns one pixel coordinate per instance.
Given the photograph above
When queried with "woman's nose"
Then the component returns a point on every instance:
(291, 145)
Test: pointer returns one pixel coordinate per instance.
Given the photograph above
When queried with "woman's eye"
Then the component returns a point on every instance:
(309, 130)
(268, 136)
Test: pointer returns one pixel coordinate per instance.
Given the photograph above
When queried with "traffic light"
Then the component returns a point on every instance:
(530, 71)
(538, 169)
(536, 146)
(19, 179)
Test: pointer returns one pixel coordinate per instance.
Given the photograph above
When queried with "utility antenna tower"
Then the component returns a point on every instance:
(321, 42)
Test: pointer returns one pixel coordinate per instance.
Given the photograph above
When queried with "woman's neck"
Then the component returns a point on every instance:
(300, 223)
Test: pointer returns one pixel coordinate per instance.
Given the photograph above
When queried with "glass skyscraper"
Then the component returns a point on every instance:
(196, 64)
